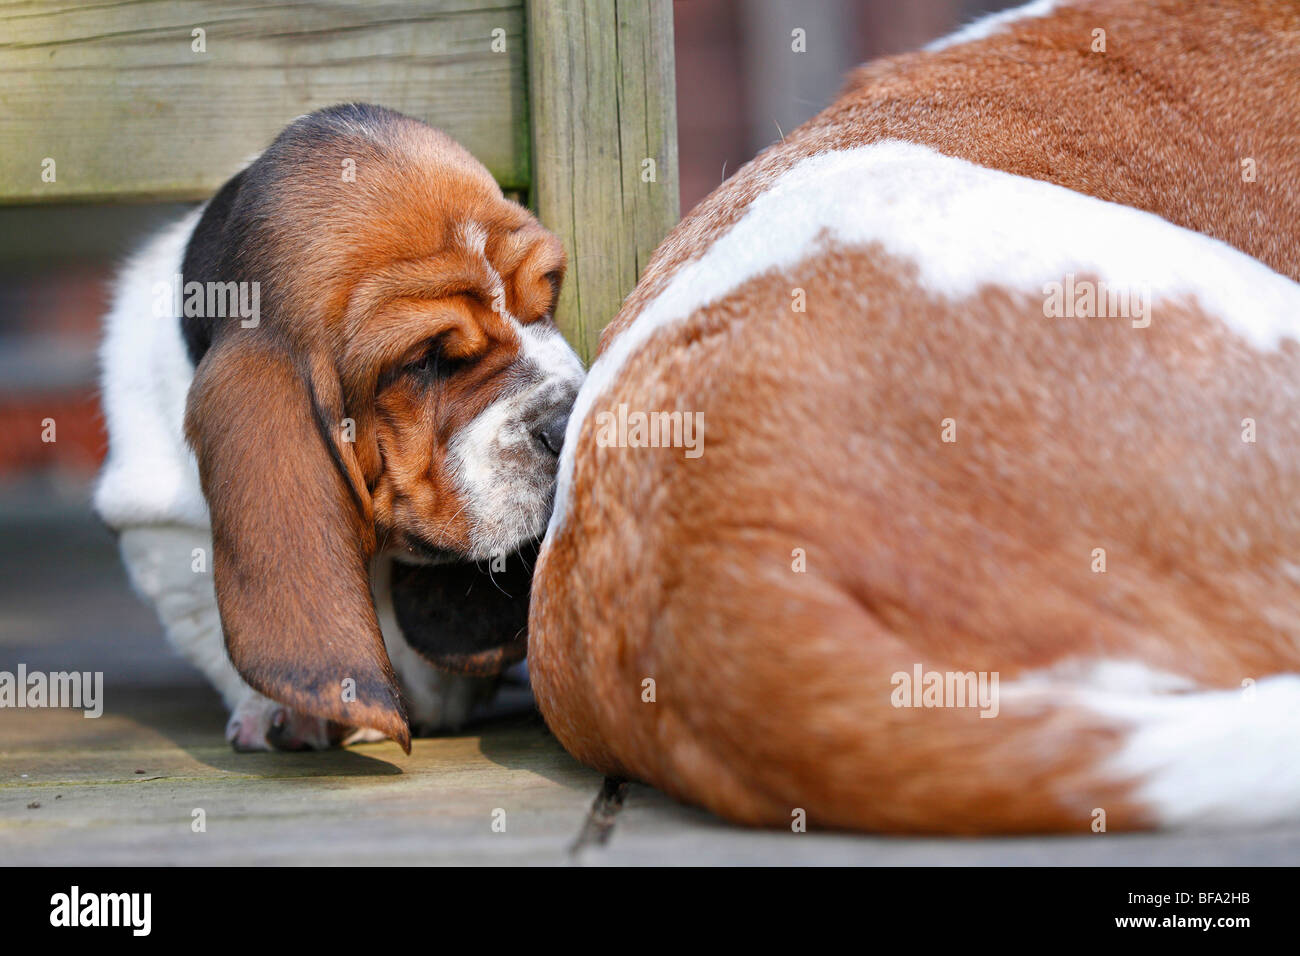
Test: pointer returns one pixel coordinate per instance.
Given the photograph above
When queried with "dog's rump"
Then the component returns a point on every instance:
(979, 410)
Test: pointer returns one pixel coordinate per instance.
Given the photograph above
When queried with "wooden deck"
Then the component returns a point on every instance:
(123, 788)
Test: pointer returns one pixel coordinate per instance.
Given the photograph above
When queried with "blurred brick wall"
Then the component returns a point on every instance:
(55, 267)
(47, 336)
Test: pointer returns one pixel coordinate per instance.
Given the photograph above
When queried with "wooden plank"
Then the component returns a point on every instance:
(116, 95)
(71, 794)
(603, 101)
(121, 788)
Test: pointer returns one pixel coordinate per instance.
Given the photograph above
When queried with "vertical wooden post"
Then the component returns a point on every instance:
(602, 96)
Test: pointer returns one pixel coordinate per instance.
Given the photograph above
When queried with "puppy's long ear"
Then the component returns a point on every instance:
(292, 534)
(466, 618)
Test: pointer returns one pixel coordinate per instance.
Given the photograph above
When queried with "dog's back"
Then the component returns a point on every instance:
(992, 524)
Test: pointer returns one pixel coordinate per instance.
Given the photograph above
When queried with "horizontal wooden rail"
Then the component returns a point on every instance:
(139, 100)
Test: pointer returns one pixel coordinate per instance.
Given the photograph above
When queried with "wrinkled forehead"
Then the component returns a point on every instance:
(514, 275)
(482, 289)
(379, 233)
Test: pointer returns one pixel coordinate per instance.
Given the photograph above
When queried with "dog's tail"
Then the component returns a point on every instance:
(1208, 757)
(1112, 748)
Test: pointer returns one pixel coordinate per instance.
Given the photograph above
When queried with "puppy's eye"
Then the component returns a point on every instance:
(554, 279)
(434, 366)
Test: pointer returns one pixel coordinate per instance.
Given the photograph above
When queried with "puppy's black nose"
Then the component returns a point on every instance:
(551, 434)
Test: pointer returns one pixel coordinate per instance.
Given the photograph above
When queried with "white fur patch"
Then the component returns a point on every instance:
(992, 23)
(508, 498)
(1212, 758)
(473, 238)
(1112, 676)
(150, 476)
(963, 226)
(542, 347)
(161, 561)
(1196, 757)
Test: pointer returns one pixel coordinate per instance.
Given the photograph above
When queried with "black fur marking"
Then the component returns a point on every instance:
(463, 618)
(204, 261)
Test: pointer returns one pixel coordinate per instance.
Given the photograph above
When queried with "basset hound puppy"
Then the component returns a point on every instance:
(991, 517)
(335, 397)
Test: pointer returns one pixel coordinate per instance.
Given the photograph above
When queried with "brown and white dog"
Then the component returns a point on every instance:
(354, 337)
(998, 366)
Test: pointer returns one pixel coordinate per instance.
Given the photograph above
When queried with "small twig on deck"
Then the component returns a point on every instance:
(598, 826)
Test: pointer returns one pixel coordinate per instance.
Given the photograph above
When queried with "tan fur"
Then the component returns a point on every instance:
(773, 688)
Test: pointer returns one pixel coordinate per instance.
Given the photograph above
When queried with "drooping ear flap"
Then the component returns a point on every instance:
(292, 534)
(465, 617)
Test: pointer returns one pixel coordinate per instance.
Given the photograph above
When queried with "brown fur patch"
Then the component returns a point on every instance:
(773, 687)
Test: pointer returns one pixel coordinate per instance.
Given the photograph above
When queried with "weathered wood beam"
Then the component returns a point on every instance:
(604, 126)
(128, 107)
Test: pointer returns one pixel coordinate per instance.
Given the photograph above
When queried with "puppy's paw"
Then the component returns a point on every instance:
(439, 702)
(362, 735)
(446, 701)
(259, 723)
